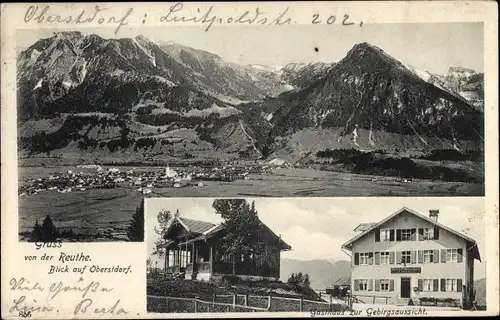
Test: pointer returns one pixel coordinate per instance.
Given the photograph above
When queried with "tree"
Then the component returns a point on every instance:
(299, 279)
(46, 232)
(163, 219)
(242, 224)
(37, 233)
(49, 230)
(135, 230)
(306, 282)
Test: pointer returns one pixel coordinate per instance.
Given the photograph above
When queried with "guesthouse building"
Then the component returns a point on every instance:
(410, 256)
(194, 250)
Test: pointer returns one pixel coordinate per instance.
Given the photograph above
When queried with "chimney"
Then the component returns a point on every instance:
(434, 214)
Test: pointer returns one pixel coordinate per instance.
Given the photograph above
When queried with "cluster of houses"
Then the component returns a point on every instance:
(141, 181)
(103, 179)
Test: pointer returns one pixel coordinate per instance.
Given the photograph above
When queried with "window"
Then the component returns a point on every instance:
(428, 285)
(363, 285)
(363, 258)
(385, 235)
(428, 256)
(384, 258)
(405, 234)
(406, 257)
(451, 285)
(385, 285)
(452, 255)
(428, 233)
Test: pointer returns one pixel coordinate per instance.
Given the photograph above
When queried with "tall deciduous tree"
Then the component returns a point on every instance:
(135, 230)
(242, 224)
(163, 219)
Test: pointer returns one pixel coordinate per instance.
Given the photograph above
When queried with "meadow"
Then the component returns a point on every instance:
(98, 210)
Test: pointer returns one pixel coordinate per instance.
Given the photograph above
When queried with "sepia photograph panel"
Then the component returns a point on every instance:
(314, 255)
(378, 110)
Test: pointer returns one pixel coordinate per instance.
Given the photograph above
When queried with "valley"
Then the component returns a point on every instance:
(97, 210)
(365, 125)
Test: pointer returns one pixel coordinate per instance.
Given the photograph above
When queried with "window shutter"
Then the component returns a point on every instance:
(377, 235)
(420, 284)
(443, 255)
(420, 234)
(391, 285)
(370, 285)
(436, 285)
(459, 285)
(443, 285)
(399, 256)
(413, 236)
(459, 255)
(356, 259)
(370, 258)
(377, 258)
(420, 256)
(398, 234)
(391, 257)
(356, 285)
(377, 285)
(413, 257)
(391, 235)
(436, 256)
(436, 233)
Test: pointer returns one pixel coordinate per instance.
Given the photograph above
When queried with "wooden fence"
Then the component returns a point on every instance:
(238, 303)
(355, 298)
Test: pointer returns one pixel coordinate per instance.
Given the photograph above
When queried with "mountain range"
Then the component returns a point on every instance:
(89, 97)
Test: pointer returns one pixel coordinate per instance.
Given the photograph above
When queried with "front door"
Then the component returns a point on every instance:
(405, 287)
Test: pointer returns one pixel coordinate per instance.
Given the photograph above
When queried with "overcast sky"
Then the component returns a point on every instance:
(433, 47)
(317, 227)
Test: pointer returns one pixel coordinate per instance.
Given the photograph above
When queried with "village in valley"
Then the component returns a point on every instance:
(140, 180)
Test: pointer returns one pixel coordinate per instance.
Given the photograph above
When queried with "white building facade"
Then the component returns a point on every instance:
(412, 256)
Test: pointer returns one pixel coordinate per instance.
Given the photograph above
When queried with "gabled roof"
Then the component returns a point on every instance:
(472, 242)
(191, 226)
(196, 226)
(220, 227)
(203, 230)
(364, 226)
(342, 281)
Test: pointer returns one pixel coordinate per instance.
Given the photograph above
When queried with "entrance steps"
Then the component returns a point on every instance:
(402, 302)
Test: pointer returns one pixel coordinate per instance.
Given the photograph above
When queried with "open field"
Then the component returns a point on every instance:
(98, 210)
(91, 211)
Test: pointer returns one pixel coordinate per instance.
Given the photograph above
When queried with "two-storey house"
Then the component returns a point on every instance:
(411, 256)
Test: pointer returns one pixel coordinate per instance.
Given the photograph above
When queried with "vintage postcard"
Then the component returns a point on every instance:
(268, 158)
